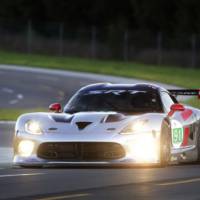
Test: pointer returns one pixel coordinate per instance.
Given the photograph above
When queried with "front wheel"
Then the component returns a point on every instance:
(165, 145)
(198, 146)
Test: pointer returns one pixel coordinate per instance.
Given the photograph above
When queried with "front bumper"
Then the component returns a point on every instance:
(129, 158)
(35, 161)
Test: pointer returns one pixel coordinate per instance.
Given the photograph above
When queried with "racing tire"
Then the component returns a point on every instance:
(165, 145)
(198, 147)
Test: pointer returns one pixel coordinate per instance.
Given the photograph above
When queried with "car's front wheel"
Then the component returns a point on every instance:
(198, 146)
(165, 145)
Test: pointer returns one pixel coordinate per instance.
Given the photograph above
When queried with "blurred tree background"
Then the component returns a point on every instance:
(167, 16)
(132, 25)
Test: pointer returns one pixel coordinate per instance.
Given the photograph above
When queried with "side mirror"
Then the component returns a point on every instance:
(176, 107)
(55, 107)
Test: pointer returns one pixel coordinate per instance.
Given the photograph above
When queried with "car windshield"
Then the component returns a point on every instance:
(125, 101)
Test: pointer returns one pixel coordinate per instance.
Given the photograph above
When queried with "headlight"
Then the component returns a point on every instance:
(144, 147)
(33, 127)
(25, 148)
(137, 126)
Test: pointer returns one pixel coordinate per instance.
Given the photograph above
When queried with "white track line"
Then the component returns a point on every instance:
(7, 90)
(16, 175)
(70, 196)
(20, 96)
(180, 182)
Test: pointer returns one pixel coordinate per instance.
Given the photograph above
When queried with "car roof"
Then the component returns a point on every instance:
(110, 86)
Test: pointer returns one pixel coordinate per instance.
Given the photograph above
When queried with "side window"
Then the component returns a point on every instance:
(167, 101)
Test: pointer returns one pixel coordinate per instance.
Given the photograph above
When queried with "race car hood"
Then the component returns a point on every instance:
(84, 125)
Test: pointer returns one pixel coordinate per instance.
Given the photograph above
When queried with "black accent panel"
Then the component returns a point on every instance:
(82, 125)
(80, 151)
(192, 131)
(53, 129)
(115, 118)
(185, 92)
(61, 118)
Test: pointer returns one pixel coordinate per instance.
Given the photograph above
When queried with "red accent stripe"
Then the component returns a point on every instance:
(171, 112)
(186, 136)
(186, 114)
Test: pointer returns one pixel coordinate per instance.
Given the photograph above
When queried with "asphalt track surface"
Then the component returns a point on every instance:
(31, 89)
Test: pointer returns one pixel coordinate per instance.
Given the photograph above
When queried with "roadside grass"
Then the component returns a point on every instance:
(193, 102)
(184, 77)
(12, 114)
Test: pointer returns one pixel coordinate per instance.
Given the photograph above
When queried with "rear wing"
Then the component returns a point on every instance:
(185, 92)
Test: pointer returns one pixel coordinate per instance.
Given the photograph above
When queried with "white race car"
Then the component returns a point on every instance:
(110, 124)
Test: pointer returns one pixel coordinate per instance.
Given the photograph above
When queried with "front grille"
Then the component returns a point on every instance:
(80, 151)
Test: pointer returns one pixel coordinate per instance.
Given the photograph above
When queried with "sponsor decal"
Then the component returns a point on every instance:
(177, 134)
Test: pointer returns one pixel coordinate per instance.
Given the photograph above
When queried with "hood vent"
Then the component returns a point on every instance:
(82, 125)
(62, 119)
